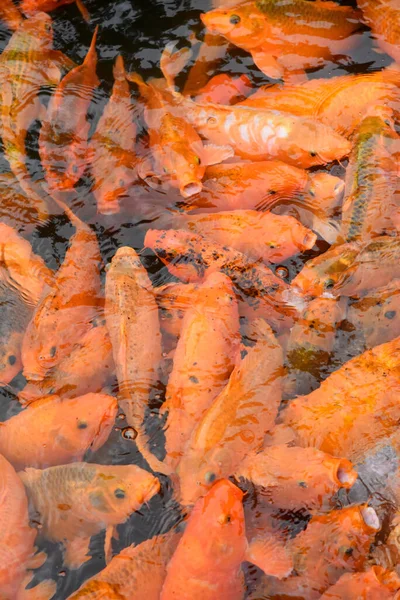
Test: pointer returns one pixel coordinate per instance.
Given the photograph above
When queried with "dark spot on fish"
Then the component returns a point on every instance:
(313, 153)
(64, 506)
(82, 425)
(390, 314)
(193, 379)
(53, 351)
(120, 494)
(12, 359)
(228, 519)
(302, 484)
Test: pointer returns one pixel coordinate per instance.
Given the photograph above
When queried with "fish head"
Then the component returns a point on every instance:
(118, 491)
(85, 423)
(216, 528)
(325, 192)
(243, 25)
(39, 27)
(311, 143)
(184, 169)
(10, 357)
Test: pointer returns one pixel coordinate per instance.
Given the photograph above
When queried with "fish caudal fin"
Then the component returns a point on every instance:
(270, 555)
(172, 63)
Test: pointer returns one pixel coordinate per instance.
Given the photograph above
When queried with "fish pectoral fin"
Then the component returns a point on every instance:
(76, 552)
(111, 532)
(43, 591)
(269, 555)
(268, 65)
(211, 154)
(83, 10)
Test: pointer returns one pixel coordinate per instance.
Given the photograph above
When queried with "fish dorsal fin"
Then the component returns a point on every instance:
(270, 555)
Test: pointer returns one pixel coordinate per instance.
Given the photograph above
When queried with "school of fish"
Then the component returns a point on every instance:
(249, 349)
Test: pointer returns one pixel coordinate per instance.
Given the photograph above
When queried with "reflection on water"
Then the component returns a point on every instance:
(245, 349)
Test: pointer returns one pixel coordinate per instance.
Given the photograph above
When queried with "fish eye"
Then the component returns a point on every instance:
(390, 314)
(329, 283)
(302, 484)
(82, 425)
(53, 351)
(120, 494)
(311, 192)
(210, 477)
(312, 153)
(234, 19)
(47, 27)
(197, 160)
(12, 359)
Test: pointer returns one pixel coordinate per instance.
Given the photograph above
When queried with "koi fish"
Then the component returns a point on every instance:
(269, 295)
(340, 102)
(286, 39)
(260, 236)
(224, 89)
(15, 315)
(371, 179)
(322, 273)
(204, 358)
(178, 152)
(353, 408)
(136, 572)
(31, 7)
(65, 312)
(291, 478)
(57, 430)
(235, 423)
(20, 269)
(374, 584)
(330, 546)
(17, 550)
(86, 369)
(256, 134)
(63, 139)
(77, 501)
(112, 146)
(376, 315)
(131, 315)
(10, 14)
(27, 64)
(375, 265)
(385, 29)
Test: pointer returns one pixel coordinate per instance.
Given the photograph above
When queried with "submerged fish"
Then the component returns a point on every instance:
(30, 7)
(374, 584)
(77, 501)
(67, 309)
(57, 431)
(291, 478)
(63, 139)
(10, 14)
(286, 38)
(136, 572)
(383, 16)
(133, 325)
(112, 147)
(236, 422)
(204, 358)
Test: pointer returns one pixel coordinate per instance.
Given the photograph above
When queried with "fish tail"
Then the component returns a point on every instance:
(119, 69)
(91, 56)
(83, 10)
(172, 63)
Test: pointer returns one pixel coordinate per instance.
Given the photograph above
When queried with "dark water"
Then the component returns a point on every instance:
(140, 30)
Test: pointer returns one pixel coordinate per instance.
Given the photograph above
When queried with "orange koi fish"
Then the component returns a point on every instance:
(112, 146)
(383, 16)
(206, 563)
(132, 315)
(179, 154)
(376, 265)
(204, 358)
(27, 64)
(17, 550)
(86, 369)
(136, 572)
(224, 89)
(66, 311)
(31, 7)
(10, 14)
(15, 315)
(260, 236)
(20, 269)
(371, 180)
(256, 134)
(355, 406)
(286, 39)
(340, 102)
(57, 431)
(321, 274)
(16, 210)
(269, 295)
(291, 478)
(235, 423)
(63, 139)
(374, 584)
(330, 546)
(376, 315)
(79, 500)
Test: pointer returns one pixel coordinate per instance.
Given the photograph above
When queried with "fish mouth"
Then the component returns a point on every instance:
(190, 189)
(38, 376)
(370, 518)
(345, 475)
